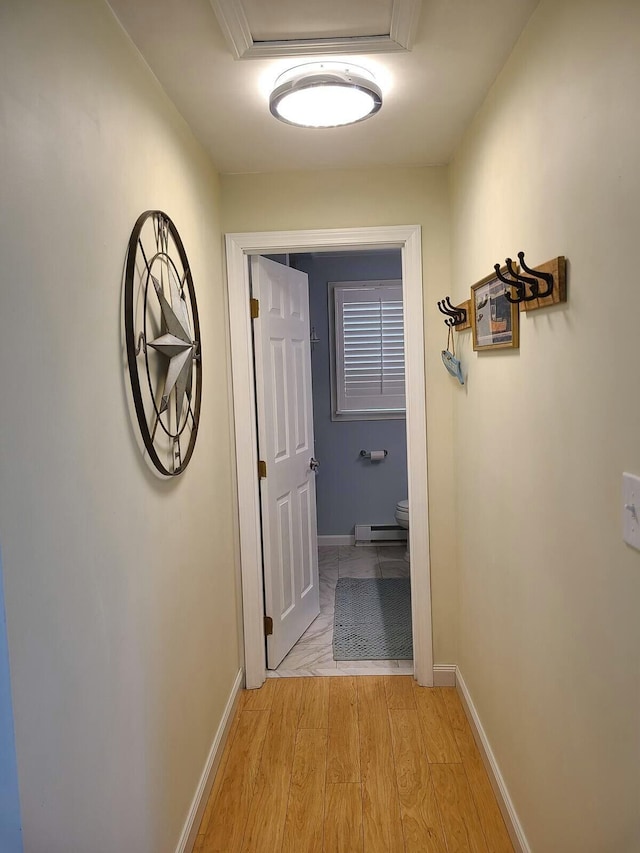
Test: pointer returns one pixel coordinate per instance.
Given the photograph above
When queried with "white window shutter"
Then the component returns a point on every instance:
(369, 348)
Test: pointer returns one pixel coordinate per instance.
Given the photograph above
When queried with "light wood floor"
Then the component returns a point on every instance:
(363, 764)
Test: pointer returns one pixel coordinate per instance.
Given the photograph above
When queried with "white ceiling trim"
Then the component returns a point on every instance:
(233, 21)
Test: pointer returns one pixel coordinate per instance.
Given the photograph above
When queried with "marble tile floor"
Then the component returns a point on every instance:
(313, 653)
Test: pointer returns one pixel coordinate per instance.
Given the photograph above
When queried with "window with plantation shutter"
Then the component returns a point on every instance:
(368, 352)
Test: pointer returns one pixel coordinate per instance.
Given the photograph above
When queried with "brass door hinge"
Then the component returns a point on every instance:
(255, 308)
(268, 626)
(262, 469)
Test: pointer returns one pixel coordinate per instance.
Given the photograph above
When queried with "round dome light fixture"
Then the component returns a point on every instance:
(325, 94)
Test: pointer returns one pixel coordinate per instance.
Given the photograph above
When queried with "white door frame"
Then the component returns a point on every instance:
(407, 238)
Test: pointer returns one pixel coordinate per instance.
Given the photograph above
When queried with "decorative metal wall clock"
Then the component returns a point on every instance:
(163, 342)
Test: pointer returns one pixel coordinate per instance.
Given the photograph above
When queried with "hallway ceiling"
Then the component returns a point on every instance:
(431, 92)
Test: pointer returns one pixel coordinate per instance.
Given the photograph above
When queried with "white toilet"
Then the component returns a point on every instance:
(402, 517)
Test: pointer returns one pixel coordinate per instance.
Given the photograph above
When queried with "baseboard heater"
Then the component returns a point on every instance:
(379, 534)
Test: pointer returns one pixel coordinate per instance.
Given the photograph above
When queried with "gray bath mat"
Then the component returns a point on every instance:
(373, 619)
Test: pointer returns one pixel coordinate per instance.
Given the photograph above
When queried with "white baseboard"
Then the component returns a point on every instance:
(444, 675)
(514, 828)
(347, 539)
(192, 824)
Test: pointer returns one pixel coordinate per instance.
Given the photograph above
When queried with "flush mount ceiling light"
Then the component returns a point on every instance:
(325, 94)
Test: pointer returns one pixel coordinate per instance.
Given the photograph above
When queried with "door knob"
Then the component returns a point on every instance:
(314, 464)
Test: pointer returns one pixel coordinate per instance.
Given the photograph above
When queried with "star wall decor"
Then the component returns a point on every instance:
(163, 342)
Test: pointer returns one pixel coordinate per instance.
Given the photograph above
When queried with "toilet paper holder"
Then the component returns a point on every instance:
(366, 454)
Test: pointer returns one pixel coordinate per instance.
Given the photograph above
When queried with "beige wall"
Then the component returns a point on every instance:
(549, 593)
(120, 588)
(301, 200)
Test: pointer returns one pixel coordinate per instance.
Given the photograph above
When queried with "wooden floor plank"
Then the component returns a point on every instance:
(421, 821)
(271, 795)
(260, 699)
(343, 756)
(304, 823)
(382, 826)
(231, 803)
(462, 828)
(343, 818)
(399, 692)
(265, 823)
(493, 825)
(314, 712)
(438, 734)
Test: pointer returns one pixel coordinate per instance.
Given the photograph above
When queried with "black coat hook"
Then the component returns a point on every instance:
(456, 316)
(452, 319)
(531, 282)
(547, 277)
(518, 282)
(517, 285)
(447, 308)
(459, 315)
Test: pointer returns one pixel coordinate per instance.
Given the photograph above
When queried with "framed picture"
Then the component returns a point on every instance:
(494, 320)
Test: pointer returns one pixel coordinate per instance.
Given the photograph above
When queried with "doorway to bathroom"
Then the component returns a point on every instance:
(239, 247)
(358, 392)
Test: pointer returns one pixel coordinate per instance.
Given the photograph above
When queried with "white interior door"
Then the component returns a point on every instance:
(285, 441)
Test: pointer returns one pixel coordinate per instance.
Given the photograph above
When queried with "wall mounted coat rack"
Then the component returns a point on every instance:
(457, 315)
(543, 285)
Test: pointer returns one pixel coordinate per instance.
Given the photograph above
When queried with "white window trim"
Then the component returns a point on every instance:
(358, 414)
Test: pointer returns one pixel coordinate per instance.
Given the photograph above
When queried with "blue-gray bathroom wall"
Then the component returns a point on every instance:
(350, 490)
(10, 825)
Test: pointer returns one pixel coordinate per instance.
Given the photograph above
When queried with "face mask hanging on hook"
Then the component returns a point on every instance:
(449, 358)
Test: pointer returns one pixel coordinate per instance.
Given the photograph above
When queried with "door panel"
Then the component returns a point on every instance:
(285, 438)
(279, 403)
(284, 550)
(306, 527)
(301, 404)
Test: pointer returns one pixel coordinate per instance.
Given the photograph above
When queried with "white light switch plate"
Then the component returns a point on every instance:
(631, 510)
